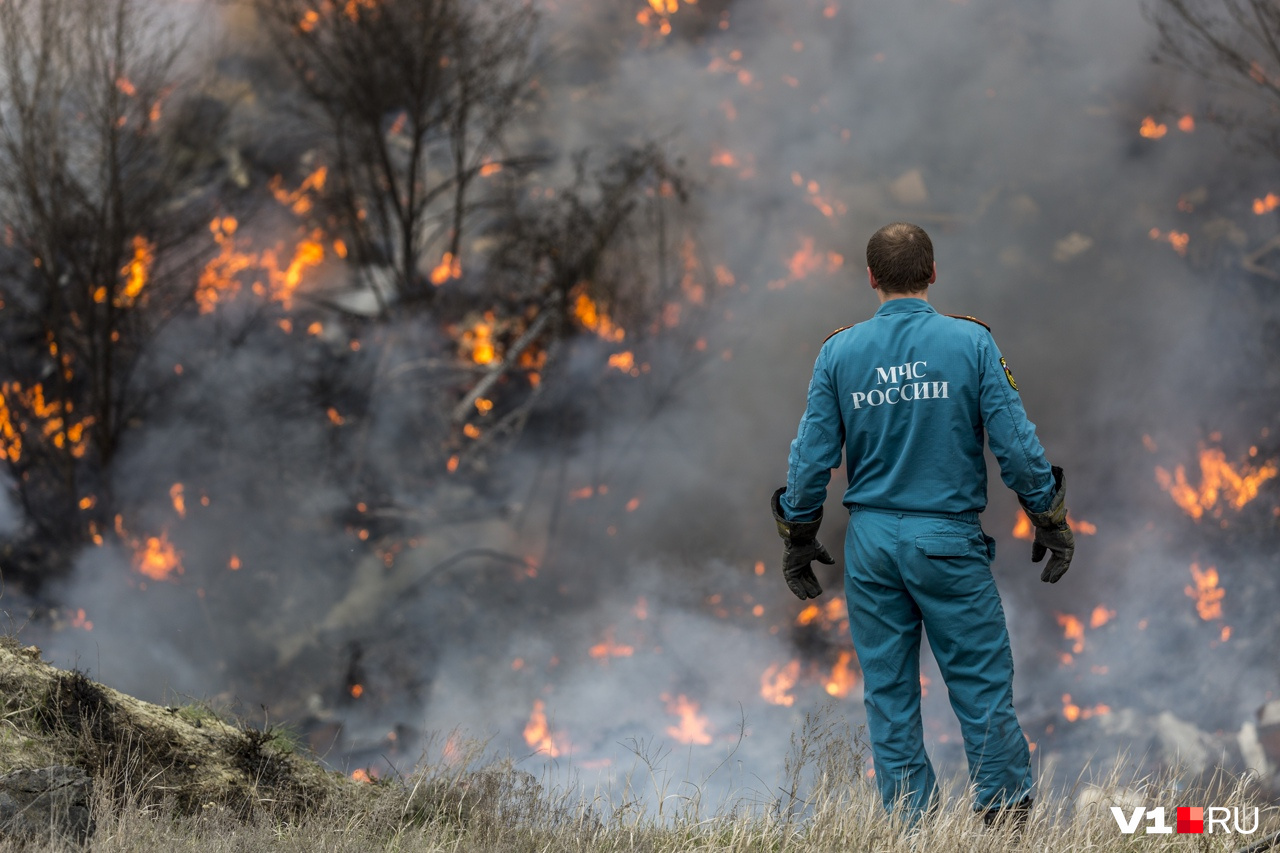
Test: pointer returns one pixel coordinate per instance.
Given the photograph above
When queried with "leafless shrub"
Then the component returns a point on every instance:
(412, 101)
(96, 232)
(1233, 43)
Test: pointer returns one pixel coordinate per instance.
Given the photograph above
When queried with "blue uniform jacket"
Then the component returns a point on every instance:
(909, 394)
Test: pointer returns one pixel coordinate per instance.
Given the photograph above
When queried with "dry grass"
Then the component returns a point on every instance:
(464, 799)
(824, 802)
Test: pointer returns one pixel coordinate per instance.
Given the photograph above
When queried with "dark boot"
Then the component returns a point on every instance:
(1013, 818)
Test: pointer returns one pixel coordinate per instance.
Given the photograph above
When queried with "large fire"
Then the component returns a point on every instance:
(1221, 483)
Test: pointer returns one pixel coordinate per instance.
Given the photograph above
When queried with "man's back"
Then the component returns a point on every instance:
(908, 393)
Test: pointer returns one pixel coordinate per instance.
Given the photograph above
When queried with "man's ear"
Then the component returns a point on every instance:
(875, 285)
(933, 277)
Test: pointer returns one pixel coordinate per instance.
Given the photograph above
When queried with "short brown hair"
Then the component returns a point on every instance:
(900, 256)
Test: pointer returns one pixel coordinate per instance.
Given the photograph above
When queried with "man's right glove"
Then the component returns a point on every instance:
(1052, 533)
(800, 548)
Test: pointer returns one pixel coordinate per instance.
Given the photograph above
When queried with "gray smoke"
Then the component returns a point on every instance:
(1009, 129)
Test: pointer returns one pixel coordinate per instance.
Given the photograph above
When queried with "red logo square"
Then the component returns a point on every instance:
(1190, 819)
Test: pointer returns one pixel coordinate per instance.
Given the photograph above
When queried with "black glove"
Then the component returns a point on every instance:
(1052, 533)
(800, 548)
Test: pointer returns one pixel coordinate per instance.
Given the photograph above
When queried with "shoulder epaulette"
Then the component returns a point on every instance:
(836, 332)
(971, 320)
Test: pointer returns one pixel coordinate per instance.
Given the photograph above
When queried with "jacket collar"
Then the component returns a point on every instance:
(905, 306)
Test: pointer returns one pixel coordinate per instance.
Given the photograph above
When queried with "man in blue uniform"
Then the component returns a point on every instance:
(908, 395)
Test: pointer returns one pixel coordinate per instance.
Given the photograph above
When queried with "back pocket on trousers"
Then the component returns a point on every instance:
(942, 545)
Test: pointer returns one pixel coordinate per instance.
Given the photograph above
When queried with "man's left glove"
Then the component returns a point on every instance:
(1052, 533)
(800, 548)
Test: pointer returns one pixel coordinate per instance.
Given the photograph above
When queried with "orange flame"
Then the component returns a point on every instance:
(179, 501)
(1151, 129)
(625, 362)
(1072, 629)
(1100, 616)
(1206, 593)
(299, 200)
(607, 648)
(538, 735)
(593, 319)
(777, 682)
(477, 344)
(157, 558)
(80, 621)
(1074, 712)
(1022, 527)
(136, 272)
(693, 726)
(1187, 124)
(218, 279)
(51, 416)
(1220, 482)
(843, 676)
(448, 268)
(10, 432)
(806, 261)
(1179, 240)
(284, 283)
(833, 614)
(1266, 204)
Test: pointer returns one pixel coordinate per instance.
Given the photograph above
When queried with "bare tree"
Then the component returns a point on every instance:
(93, 243)
(1235, 43)
(413, 100)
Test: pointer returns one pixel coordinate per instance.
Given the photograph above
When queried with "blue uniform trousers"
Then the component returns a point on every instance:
(905, 571)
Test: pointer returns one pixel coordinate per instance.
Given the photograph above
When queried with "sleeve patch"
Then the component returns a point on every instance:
(970, 319)
(836, 332)
(1008, 374)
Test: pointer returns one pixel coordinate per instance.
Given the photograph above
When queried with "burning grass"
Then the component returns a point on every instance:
(464, 799)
